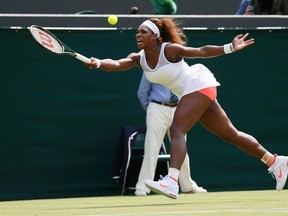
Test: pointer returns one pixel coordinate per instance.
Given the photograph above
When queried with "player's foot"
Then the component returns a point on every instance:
(280, 171)
(140, 192)
(166, 186)
(198, 190)
(195, 189)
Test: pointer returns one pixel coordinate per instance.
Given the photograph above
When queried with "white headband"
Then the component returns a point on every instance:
(152, 26)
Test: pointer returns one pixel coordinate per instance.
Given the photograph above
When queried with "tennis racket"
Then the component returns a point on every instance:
(53, 44)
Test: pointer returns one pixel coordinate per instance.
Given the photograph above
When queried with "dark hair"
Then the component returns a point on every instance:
(170, 30)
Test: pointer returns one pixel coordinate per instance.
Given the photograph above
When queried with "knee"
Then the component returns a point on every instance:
(176, 132)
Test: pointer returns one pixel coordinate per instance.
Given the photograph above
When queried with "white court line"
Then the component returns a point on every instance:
(271, 211)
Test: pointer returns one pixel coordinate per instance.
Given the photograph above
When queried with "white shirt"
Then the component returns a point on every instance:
(179, 77)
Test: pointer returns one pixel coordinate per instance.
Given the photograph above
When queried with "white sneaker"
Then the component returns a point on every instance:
(280, 170)
(195, 189)
(165, 186)
(140, 192)
(199, 190)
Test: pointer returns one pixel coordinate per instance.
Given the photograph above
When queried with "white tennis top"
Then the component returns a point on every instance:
(179, 77)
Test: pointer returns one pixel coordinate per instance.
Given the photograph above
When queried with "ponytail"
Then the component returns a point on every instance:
(170, 31)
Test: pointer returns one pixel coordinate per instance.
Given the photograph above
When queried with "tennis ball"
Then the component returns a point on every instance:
(112, 20)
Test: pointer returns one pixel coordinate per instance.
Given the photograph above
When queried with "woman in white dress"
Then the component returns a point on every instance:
(162, 54)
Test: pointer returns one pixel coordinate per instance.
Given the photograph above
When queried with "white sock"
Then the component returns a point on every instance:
(173, 173)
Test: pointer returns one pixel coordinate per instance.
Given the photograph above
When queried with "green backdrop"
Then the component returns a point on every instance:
(60, 123)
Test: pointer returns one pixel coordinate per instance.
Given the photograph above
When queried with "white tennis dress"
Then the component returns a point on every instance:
(181, 78)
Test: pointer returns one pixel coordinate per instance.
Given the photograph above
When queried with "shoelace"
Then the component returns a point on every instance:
(162, 178)
(270, 171)
(272, 174)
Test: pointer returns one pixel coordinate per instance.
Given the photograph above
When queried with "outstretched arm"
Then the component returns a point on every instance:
(111, 65)
(175, 51)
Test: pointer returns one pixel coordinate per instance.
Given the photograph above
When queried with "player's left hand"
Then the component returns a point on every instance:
(239, 42)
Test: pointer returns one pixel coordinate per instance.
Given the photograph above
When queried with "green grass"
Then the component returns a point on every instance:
(211, 204)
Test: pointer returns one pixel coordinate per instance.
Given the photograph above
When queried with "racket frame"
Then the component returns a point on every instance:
(45, 41)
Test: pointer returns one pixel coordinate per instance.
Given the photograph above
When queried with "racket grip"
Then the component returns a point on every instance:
(82, 58)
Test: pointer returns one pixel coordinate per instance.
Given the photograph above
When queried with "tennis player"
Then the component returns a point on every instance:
(162, 54)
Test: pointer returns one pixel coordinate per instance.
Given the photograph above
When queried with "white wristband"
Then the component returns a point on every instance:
(97, 63)
(228, 48)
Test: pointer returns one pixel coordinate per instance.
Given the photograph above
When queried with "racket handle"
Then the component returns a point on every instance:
(82, 58)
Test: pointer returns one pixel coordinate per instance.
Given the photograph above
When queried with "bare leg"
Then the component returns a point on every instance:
(196, 106)
(189, 110)
(216, 120)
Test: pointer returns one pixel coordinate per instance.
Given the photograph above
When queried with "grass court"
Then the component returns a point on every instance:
(266, 202)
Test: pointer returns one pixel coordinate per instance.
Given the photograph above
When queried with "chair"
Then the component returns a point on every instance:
(137, 148)
(132, 147)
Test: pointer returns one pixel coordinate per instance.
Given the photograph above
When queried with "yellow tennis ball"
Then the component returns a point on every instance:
(112, 20)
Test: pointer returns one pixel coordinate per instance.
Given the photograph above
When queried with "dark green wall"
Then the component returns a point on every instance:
(60, 123)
